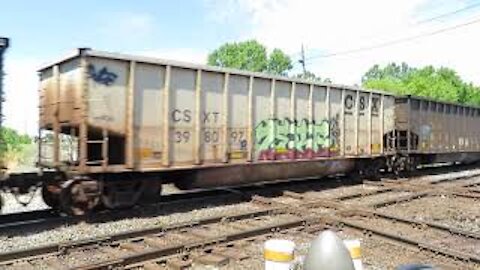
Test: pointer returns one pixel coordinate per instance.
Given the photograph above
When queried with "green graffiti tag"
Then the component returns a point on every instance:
(285, 138)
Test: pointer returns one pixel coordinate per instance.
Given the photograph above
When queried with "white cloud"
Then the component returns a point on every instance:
(332, 26)
(21, 93)
(126, 25)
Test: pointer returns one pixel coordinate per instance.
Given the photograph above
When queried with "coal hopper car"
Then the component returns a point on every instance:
(114, 127)
(433, 132)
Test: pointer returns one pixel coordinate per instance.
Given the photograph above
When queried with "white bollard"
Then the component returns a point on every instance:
(278, 254)
(355, 250)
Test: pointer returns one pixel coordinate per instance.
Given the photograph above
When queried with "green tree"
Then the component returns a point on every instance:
(10, 139)
(436, 83)
(279, 63)
(390, 71)
(12, 145)
(250, 55)
(310, 76)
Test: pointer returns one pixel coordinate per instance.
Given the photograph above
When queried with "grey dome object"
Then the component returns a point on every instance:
(327, 252)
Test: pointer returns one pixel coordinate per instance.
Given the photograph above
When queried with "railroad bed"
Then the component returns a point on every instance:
(430, 219)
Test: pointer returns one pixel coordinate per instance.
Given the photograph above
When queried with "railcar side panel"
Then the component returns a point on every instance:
(335, 121)
(238, 104)
(182, 116)
(324, 124)
(69, 95)
(107, 88)
(265, 123)
(47, 101)
(212, 117)
(303, 118)
(375, 124)
(144, 114)
(388, 121)
(148, 120)
(446, 132)
(350, 122)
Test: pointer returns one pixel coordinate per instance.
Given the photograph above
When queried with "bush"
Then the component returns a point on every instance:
(13, 147)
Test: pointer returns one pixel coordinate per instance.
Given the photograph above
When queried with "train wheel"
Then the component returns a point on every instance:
(51, 195)
(79, 196)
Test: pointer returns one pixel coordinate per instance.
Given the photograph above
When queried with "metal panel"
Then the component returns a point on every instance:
(225, 123)
(336, 121)
(129, 116)
(213, 115)
(324, 141)
(263, 121)
(350, 119)
(69, 95)
(56, 124)
(198, 133)
(148, 120)
(302, 135)
(83, 128)
(238, 117)
(166, 117)
(107, 92)
(388, 110)
(47, 98)
(364, 124)
(182, 115)
(377, 124)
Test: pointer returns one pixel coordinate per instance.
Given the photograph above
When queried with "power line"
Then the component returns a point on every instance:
(396, 41)
(448, 14)
(431, 19)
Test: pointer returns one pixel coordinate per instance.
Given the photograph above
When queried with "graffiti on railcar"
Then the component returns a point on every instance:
(101, 76)
(296, 139)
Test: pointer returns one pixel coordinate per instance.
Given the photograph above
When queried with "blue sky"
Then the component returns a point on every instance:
(47, 28)
(41, 31)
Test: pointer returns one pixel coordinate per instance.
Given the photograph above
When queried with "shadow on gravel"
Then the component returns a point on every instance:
(200, 199)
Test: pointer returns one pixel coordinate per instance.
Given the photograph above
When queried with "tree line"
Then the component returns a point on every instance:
(12, 146)
(252, 56)
(443, 84)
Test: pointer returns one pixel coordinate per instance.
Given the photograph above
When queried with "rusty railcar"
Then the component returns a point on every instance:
(430, 132)
(118, 125)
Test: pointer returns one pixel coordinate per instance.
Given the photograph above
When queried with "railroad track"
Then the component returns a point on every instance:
(48, 218)
(221, 237)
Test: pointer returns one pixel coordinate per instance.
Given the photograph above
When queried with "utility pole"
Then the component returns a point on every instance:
(4, 43)
(302, 61)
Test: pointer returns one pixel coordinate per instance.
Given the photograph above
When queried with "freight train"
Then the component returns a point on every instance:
(113, 128)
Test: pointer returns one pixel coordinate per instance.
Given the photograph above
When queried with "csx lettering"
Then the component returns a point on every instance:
(349, 102)
(362, 103)
(181, 115)
(210, 117)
